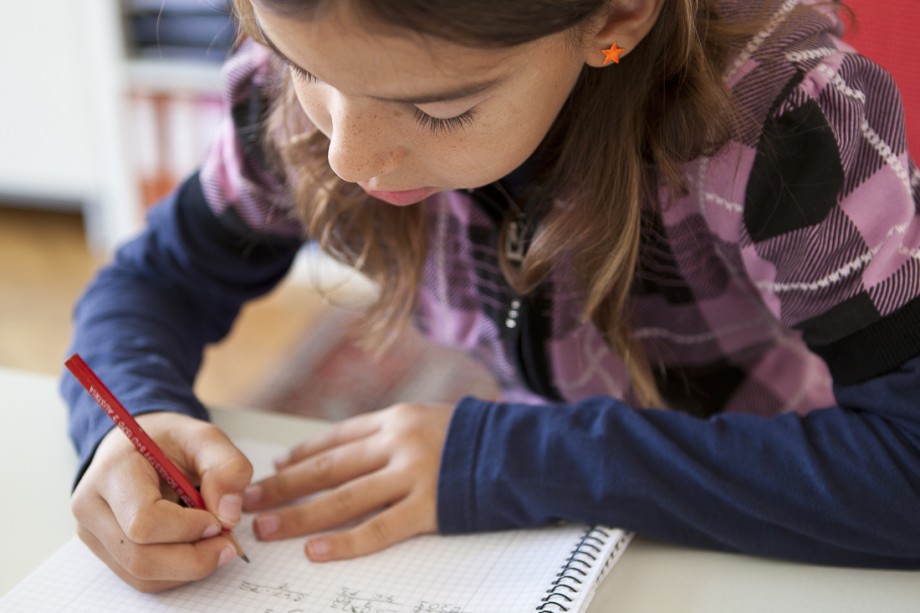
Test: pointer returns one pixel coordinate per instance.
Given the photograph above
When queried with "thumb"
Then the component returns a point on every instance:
(225, 472)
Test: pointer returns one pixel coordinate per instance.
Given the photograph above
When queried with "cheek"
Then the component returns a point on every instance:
(517, 133)
(491, 151)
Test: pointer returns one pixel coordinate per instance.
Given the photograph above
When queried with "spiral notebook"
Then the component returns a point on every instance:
(550, 569)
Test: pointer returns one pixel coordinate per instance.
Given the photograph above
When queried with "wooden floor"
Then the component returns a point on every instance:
(44, 264)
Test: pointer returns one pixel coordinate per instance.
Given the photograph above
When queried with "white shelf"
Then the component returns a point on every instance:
(46, 147)
(66, 125)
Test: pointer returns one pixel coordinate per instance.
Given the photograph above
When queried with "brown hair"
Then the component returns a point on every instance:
(677, 109)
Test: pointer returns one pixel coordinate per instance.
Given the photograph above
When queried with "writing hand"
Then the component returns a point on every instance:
(132, 522)
(379, 470)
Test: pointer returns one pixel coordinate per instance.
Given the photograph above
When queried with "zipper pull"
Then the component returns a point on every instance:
(515, 246)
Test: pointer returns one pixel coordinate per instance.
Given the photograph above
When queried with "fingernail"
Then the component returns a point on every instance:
(252, 495)
(211, 531)
(226, 554)
(266, 525)
(229, 508)
(318, 549)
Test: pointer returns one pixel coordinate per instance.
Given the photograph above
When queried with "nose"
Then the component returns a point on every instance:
(361, 145)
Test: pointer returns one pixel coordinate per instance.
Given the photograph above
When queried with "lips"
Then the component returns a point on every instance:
(402, 198)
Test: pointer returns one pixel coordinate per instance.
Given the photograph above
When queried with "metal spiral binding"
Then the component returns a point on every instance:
(569, 581)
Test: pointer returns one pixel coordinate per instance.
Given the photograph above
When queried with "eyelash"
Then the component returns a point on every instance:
(444, 126)
(301, 75)
(436, 125)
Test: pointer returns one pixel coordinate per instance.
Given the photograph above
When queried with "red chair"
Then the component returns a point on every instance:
(882, 33)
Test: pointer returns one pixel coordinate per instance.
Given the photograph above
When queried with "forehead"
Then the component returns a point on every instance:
(343, 48)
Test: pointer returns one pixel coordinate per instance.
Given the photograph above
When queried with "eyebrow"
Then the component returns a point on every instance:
(458, 93)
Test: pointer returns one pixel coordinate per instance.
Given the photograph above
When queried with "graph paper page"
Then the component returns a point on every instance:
(481, 573)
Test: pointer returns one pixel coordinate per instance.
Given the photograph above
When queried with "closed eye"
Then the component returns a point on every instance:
(300, 74)
(446, 125)
(437, 125)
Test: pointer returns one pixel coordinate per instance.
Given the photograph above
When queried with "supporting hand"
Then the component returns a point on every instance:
(373, 476)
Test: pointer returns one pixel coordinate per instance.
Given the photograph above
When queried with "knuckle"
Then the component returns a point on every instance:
(235, 470)
(241, 467)
(401, 410)
(284, 487)
(392, 439)
(322, 467)
(343, 501)
(138, 528)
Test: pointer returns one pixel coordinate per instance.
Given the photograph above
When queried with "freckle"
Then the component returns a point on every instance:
(122, 541)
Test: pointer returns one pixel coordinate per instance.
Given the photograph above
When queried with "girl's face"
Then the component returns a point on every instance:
(408, 116)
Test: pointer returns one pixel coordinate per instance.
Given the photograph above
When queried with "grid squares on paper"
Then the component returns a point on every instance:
(507, 571)
(480, 573)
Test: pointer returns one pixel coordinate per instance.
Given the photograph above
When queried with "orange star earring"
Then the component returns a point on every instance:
(612, 54)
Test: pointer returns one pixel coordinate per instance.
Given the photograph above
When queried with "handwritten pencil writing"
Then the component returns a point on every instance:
(283, 591)
(354, 601)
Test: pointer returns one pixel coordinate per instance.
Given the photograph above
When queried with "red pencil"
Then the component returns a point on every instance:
(142, 441)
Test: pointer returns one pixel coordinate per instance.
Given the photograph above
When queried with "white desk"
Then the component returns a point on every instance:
(37, 463)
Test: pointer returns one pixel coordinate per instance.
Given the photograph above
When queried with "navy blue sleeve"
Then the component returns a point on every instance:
(837, 486)
(143, 322)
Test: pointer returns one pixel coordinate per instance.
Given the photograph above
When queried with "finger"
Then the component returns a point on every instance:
(391, 526)
(101, 552)
(163, 522)
(154, 568)
(224, 472)
(315, 473)
(133, 499)
(353, 500)
(355, 428)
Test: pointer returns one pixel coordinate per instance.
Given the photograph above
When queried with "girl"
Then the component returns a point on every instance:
(682, 233)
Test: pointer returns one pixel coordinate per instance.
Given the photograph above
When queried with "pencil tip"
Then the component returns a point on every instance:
(246, 558)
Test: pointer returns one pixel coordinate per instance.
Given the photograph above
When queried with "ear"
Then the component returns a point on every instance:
(623, 24)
